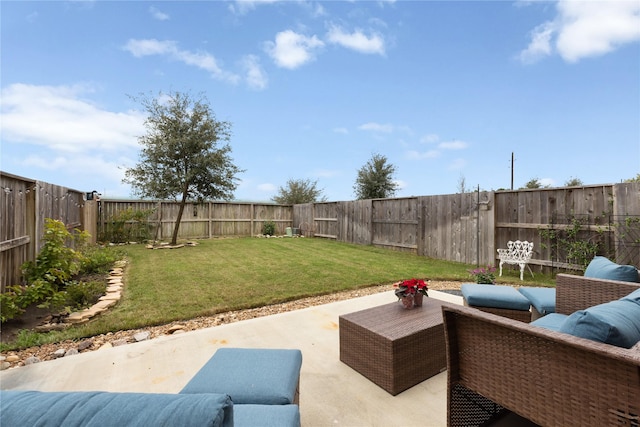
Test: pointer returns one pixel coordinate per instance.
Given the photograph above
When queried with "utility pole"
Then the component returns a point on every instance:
(512, 171)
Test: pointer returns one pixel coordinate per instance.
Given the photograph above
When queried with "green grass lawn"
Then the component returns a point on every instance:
(220, 275)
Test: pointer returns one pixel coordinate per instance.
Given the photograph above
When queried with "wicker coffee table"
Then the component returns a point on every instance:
(394, 347)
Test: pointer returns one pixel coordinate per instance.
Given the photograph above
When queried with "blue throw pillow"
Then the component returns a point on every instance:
(602, 268)
(616, 323)
(634, 296)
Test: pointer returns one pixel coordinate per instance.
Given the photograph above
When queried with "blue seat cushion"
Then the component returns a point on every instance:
(633, 296)
(266, 415)
(258, 376)
(553, 321)
(616, 323)
(602, 268)
(543, 299)
(102, 409)
(494, 296)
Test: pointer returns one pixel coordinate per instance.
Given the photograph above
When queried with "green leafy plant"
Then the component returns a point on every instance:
(51, 280)
(56, 262)
(129, 225)
(572, 243)
(484, 275)
(269, 228)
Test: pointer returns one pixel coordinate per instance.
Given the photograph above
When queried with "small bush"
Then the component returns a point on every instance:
(80, 295)
(269, 228)
(99, 259)
(128, 225)
(54, 279)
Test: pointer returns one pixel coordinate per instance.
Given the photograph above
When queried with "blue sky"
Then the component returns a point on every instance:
(446, 90)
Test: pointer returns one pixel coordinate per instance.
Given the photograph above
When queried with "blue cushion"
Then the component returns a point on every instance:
(102, 409)
(616, 323)
(494, 296)
(634, 296)
(553, 321)
(260, 376)
(266, 415)
(543, 299)
(602, 268)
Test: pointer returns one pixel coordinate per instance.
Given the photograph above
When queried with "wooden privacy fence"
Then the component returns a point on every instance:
(199, 220)
(25, 205)
(470, 227)
(457, 227)
(465, 228)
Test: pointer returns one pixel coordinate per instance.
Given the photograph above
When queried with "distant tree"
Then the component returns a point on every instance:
(533, 183)
(298, 191)
(636, 179)
(375, 179)
(185, 153)
(462, 185)
(574, 182)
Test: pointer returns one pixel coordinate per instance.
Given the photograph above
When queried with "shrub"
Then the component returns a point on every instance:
(269, 228)
(128, 225)
(51, 280)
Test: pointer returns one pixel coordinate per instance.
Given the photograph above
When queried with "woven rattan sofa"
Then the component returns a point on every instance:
(496, 365)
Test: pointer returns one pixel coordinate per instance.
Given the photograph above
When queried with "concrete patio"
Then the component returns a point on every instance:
(331, 393)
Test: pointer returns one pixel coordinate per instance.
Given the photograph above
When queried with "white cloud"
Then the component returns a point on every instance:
(157, 14)
(453, 145)
(585, 29)
(59, 118)
(540, 45)
(430, 139)
(376, 127)
(358, 41)
(547, 182)
(416, 155)
(169, 48)
(343, 131)
(401, 184)
(255, 75)
(594, 28)
(292, 50)
(243, 6)
(267, 187)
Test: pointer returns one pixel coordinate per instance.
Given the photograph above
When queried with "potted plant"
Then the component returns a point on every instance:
(484, 275)
(410, 292)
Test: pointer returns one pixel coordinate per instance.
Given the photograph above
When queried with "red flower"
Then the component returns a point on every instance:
(411, 287)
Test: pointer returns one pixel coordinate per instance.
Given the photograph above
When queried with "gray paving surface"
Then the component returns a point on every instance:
(331, 393)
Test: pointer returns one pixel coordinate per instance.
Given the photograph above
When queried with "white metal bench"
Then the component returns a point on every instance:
(518, 253)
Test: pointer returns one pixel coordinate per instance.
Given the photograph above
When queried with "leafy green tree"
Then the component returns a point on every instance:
(574, 182)
(636, 179)
(533, 183)
(298, 191)
(375, 179)
(185, 153)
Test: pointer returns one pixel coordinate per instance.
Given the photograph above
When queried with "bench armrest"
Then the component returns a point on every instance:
(575, 293)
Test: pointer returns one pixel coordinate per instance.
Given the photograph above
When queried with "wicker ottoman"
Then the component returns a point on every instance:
(384, 344)
(504, 301)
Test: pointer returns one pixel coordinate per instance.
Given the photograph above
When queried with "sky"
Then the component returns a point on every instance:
(447, 91)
